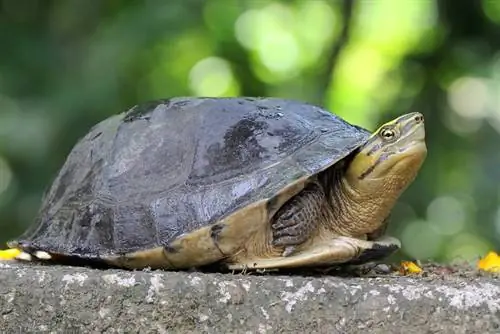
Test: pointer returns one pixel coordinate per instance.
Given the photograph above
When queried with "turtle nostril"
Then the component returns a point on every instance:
(419, 118)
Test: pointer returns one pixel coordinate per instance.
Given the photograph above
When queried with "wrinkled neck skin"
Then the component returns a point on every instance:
(360, 206)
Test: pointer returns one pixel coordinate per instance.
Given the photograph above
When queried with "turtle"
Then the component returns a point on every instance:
(239, 182)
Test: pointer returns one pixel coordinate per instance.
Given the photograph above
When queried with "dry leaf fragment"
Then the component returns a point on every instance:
(9, 254)
(409, 268)
(491, 263)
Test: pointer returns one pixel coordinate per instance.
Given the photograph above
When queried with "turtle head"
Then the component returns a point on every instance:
(391, 158)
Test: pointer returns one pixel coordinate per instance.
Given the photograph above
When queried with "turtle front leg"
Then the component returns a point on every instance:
(297, 219)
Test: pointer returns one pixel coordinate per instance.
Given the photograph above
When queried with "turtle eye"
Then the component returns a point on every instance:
(387, 133)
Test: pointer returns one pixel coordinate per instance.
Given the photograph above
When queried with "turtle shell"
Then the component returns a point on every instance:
(164, 169)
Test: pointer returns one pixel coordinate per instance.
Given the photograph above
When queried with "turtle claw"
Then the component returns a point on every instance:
(23, 256)
(288, 251)
(41, 255)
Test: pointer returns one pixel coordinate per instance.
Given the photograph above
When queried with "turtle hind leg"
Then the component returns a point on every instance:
(297, 219)
(198, 248)
(341, 250)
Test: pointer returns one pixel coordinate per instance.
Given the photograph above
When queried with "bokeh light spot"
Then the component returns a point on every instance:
(492, 10)
(212, 76)
(395, 26)
(447, 215)
(360, 69)
(420, 240)
(278, 51)
(466, 247)
(284, 39)
(244, 28)
(268, 32)
(494, 118)
(468, 97)
(363, 66)
(316, 26)
(461, 125)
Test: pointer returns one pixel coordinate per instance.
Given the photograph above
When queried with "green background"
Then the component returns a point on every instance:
(65, 65)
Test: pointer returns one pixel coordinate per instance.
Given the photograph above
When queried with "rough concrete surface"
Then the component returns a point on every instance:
(57, 299)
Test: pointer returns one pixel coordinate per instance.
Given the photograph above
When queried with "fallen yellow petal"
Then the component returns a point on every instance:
(491, 263)
(9, 254)
(408, 267)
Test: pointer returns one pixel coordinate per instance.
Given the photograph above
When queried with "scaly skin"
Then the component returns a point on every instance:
(359, 199)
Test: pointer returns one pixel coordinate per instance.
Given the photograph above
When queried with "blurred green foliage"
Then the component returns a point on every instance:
(66, 65)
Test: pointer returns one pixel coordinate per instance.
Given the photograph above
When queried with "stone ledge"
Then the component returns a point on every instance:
(56, 299)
